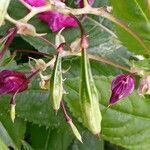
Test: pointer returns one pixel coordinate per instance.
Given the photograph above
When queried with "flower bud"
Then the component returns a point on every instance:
(55, 20)
(84, 42)
(122, 86)
(12, 81)
(144, 87)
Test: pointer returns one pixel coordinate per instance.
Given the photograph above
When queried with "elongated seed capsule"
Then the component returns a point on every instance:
(3, 10)
(89, 98)
(56, 86)
(75, 131)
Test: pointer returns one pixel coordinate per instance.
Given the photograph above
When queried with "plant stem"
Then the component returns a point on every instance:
(34, 11)
(33, 74)
(12, 33)
(7, 17)
(67, 117)
(26, 4)
(33, 52)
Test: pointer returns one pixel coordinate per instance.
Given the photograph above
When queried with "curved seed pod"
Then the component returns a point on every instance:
(3, 10)
(89, 98)
(56, 86)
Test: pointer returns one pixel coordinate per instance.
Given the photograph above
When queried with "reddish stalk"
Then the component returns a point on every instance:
(67, 117)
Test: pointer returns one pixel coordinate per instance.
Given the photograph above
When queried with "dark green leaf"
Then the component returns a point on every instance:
(51, 138)
(135, 14)
(89, 142)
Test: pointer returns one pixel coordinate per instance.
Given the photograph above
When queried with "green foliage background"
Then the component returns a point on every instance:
(126, 124)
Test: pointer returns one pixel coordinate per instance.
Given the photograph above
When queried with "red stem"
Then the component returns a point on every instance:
(67, 117)
(13, 32)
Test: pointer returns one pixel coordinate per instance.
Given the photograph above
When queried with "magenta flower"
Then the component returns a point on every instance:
(81, 4)
(12, 82)
(122, 86)
(55, 20)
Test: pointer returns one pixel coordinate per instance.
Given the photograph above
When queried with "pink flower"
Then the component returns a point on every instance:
(81, 5)
(55, 20)
(122, 86)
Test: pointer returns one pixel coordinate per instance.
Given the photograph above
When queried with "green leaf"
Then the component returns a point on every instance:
(2, 145)
(11, 133)
(59, 138)
(39, 44)
(143, 64)
(50, 138)
(7, 62)
(5, 137)
(89, 142)
(136, 15)
(125, 124)
(26, 146)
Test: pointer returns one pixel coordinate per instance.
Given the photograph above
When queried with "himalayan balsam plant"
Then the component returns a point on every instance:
(74, 74)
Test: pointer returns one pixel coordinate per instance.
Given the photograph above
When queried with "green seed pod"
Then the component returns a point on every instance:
(75, 131)
(89, 98)
(3, 10)
(56, 84)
